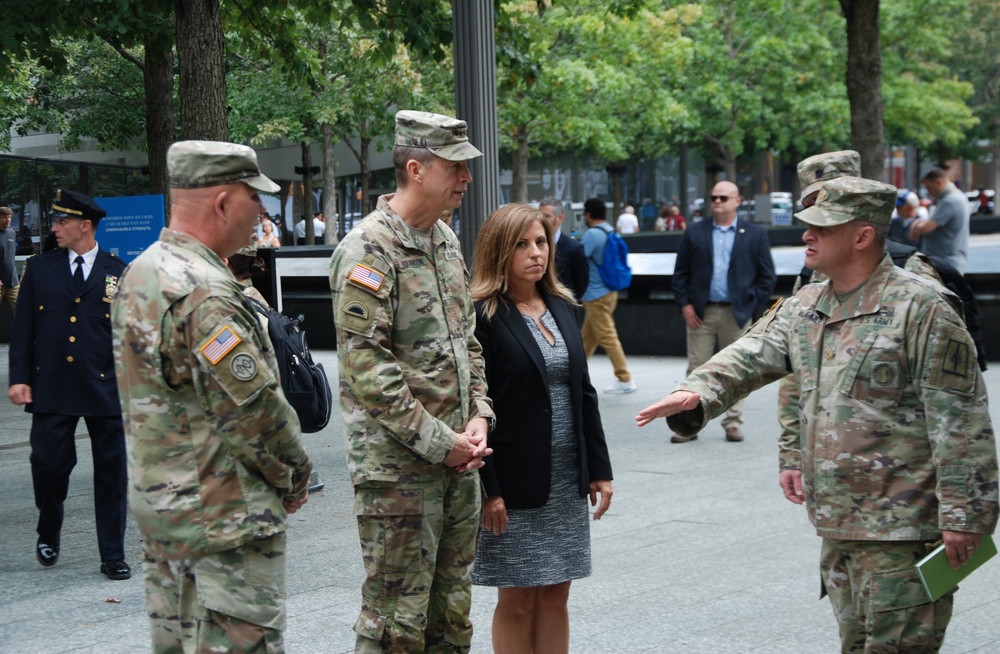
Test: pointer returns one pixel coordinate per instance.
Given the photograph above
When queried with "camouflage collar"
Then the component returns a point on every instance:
(182, 240)
(867, 301)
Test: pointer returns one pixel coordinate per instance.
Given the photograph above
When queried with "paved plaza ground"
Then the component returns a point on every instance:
(700, 552)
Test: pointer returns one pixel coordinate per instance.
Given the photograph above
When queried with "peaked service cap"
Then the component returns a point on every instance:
(814, 171)
(200, 164)
(844, 199)
(445, 136)
(76, 205)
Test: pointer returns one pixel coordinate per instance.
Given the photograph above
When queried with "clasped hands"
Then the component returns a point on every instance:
(470, 447)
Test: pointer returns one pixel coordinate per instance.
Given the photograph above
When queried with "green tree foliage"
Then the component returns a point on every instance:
(763, 75)
(925, 101)
(578, 76)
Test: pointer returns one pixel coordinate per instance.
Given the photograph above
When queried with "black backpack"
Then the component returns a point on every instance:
(303, 381)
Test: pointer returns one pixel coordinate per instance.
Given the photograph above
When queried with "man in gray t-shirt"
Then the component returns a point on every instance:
(945, 235)
(8, 270)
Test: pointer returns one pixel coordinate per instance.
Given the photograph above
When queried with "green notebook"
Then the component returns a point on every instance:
(938, 575)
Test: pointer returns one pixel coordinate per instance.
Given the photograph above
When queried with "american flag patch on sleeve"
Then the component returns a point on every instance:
(220, 345)
(365, 276)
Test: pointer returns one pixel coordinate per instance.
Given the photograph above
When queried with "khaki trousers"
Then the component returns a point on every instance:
(718, 330)
(8, 294)
(599, 329)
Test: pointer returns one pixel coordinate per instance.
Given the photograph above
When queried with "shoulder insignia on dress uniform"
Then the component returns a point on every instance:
(356, 309)
(220, 345)
(366, 277)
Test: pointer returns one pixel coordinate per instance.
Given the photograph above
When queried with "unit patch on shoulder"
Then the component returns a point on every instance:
(220, 345)
(356, 309)
(956, 359)
(243, 366)
(366, 277)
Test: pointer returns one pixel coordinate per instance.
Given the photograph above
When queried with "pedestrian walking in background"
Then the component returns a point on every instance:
(599, 301)
(62, 369)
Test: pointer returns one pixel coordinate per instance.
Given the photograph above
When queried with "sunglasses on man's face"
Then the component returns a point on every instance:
(720, 198)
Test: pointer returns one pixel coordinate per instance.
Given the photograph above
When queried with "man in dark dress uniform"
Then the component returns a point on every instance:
(62, 369)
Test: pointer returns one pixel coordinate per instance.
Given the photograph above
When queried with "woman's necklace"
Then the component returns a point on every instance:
(533, 308)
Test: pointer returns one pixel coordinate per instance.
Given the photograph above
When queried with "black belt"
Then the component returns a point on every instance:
(720, 304)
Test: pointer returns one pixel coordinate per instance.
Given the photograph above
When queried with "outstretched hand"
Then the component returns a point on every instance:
(676, 402)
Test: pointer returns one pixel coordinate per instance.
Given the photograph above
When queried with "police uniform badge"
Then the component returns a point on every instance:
(110, 285)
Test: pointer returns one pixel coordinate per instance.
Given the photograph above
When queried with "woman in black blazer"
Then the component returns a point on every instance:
(549, 451)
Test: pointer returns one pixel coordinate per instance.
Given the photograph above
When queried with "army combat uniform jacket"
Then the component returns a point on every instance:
(411, 370)
(213, 444)
(896, 441)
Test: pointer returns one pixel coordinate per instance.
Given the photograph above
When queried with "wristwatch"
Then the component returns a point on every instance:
(491, 424)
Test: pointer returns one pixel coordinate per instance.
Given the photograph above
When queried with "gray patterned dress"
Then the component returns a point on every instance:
(550, 544)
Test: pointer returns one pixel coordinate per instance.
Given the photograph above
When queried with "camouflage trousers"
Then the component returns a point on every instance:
(878, 599)
(232, 601)
(418, 542)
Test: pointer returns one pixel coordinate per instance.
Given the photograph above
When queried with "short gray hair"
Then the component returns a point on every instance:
(554, 203)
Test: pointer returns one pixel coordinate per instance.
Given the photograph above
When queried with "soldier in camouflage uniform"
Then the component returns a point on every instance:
(214, 456)
(896, 449)
(413, 396)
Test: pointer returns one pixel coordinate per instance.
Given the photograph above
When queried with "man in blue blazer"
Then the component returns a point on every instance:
(723, 279)
(571, 260)
(62, 369)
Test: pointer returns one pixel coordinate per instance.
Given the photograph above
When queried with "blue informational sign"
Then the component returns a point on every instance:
(132, 224)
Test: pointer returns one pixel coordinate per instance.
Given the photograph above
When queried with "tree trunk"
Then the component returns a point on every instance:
(158, 83)
(864, 84)
(994, 178)
(332, 234)
(729, 165)
(200, 48)
(307, 193)
(519, 174)
(366, 172)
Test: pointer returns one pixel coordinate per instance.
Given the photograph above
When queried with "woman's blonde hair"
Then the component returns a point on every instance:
(494, 250)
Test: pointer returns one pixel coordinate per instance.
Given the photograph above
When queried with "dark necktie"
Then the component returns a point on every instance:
(78, 274)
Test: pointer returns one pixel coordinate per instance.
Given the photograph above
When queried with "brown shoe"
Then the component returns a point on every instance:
(677, 438)
(734, 435)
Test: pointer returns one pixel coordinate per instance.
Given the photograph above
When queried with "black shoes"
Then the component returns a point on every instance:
(116, 569)
(47, 554)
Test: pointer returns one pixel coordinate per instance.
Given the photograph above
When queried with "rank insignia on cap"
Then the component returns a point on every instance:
(364, 276)
(220, 345)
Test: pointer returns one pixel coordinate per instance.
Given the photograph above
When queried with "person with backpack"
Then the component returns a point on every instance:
(606, 257)
(303, 381)
(215, 458)
(723, 279)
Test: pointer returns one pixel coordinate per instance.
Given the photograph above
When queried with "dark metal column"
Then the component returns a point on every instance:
(476, 103)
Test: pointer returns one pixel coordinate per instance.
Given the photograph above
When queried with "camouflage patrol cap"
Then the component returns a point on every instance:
(446, 137)
(844, 199)
(200, 164)
(76, 205)
(814, 171)
(248, 251)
